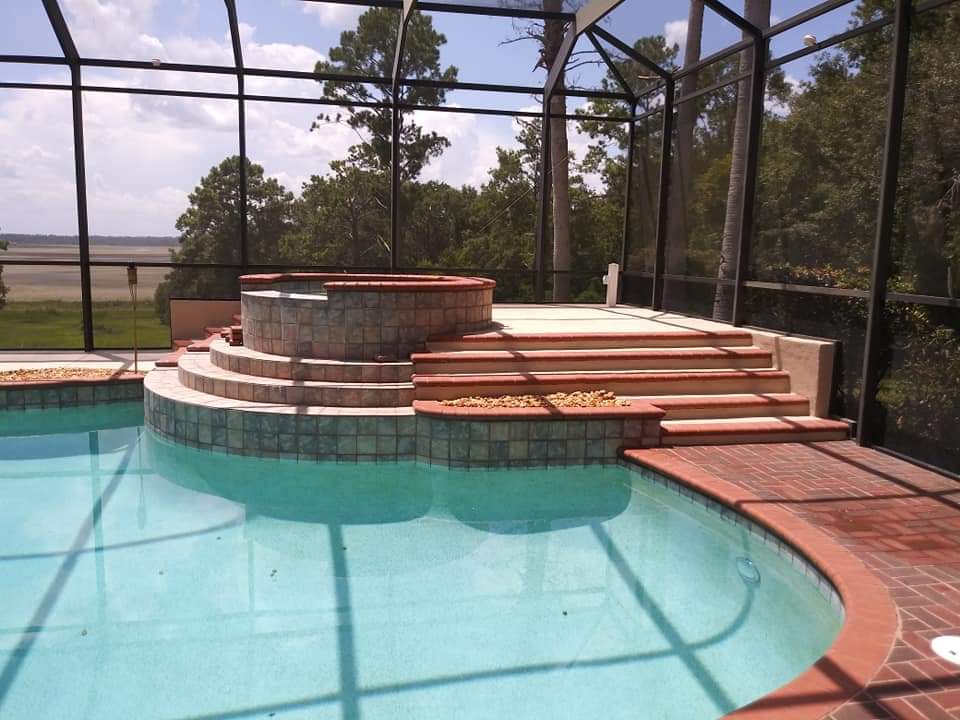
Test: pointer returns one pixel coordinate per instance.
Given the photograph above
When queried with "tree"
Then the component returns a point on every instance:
(369, 51)
(757, 12)
(210, 231)
(681, 168)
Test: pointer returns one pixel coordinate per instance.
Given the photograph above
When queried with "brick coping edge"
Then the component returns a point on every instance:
(375, 282)
(870, 624)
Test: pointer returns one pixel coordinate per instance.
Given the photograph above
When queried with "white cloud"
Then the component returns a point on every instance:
(145, 154)
(780, 108)
(333, 14)
(675, 33)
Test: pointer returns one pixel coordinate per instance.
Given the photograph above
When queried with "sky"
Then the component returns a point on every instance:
(145, 154)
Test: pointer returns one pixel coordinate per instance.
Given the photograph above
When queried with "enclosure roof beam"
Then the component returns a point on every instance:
(61, 30)
(235, 34)
(631, 53)
(734, 18)
(405, 13)
(611, 66)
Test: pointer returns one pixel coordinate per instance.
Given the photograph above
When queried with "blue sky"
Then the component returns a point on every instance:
(145, 154)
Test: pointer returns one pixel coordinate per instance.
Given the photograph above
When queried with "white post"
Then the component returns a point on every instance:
(612, 281)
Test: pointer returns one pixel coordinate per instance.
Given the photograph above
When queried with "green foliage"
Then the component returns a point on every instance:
(369, 51)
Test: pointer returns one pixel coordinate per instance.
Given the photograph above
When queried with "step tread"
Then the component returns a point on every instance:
(494, 337)
(751, 425)
(202, 365)
(573, 377)
(165, 383)
(721, 400)
(591, 354)
(226, 348)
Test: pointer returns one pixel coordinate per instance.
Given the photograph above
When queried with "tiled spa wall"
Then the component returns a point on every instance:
(385, 438)
(16, 396)
(358, 326)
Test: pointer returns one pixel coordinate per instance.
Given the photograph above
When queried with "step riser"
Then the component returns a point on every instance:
(750, 438)
(733, 411)
(292, 370)
(605, 364)
(588, 344)
(620, 386)
(294, 395)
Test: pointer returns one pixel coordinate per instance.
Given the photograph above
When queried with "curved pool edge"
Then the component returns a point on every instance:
(870, 623)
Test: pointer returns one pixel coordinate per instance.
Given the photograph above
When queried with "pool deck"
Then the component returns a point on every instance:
(900, 520)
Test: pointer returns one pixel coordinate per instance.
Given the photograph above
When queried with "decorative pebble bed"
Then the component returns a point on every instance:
(61, 373)
(592, 398)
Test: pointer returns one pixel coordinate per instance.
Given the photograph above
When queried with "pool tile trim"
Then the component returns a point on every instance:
(70, 392)
(871, 623)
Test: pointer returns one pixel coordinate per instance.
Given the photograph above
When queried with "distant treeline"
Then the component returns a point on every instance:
(20, 240)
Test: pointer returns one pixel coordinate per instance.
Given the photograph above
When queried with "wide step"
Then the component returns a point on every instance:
(243, 360)
(197, 372)
(596, 359)
(688, 407)
(751, 430)
(585, 341)
(445, 387)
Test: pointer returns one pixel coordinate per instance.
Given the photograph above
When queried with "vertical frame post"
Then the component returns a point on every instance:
(758, 82)
(543, 205)
(231, 6)
(627, 195)
(663, 194)
(395, 189)
(395, 124)
(870, 381)
(83, 230)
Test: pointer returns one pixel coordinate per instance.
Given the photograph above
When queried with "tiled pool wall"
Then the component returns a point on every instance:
(67, 393)
(356, 326)
(461, 443)
(729, 515)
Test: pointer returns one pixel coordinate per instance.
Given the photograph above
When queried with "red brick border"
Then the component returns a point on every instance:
(375, 282)
(871, 622)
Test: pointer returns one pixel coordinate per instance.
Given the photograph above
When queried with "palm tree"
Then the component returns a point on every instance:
(758, 13)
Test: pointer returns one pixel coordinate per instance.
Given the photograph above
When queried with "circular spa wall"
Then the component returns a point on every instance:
(359, 317)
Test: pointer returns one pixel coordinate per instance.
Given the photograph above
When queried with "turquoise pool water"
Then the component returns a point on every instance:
(144, 580)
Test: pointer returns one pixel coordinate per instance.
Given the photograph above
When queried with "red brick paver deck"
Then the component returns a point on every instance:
(902, 521)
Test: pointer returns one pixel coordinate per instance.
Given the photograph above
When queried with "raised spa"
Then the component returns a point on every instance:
(149, 580)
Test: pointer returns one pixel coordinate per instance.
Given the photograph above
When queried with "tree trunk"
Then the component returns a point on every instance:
(560, 165)
(758, 13)
(681, 171)
(561, 200)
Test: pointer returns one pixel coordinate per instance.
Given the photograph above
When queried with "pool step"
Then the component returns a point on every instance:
(585, 341)
(692, 407)
(197, 372)
(751, 430)
(243, 360)
(609, 359)
(638, 382)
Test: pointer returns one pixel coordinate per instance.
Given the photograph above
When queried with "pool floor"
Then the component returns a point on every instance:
(145, 580)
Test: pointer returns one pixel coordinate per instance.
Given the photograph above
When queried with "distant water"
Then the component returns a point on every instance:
(146, 580)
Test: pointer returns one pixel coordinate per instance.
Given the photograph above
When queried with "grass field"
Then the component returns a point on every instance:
(58, 324)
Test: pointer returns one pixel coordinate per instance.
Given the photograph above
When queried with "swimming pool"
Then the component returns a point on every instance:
(147, 580)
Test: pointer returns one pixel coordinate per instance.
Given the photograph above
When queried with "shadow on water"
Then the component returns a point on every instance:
(495, 501)
(512, 502)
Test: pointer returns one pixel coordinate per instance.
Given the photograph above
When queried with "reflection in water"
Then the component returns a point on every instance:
(232, 587)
